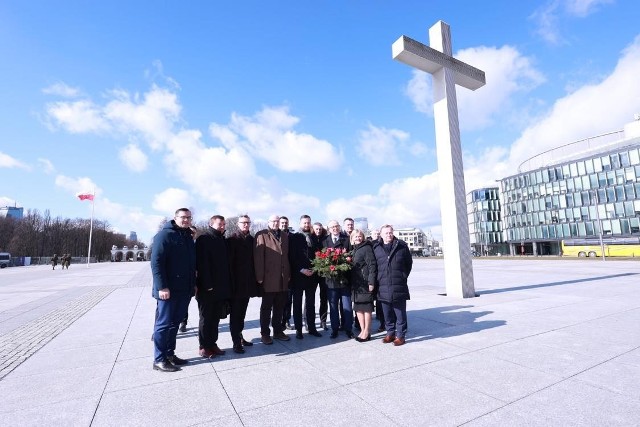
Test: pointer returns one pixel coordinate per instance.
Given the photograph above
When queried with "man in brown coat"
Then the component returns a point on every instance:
(271, 260)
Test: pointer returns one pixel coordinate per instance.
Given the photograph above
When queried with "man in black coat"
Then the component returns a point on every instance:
(302, 249)
(243, 280)
(214, 284)
(173, 267)
(339, 290)
(394, 266)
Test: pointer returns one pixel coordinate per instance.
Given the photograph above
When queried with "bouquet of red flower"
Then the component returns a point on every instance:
(331, 263)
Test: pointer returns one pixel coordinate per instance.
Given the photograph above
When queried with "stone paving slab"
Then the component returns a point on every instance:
(547, 342)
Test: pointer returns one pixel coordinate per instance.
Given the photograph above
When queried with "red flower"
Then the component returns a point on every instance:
(332, 267)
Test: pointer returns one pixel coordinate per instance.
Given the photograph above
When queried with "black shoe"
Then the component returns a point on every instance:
(349, 334)
(183, 327)
(315, 333)
(165, 366)
(246, 343)
(299, 335)
(334, 335)
(176, 361)
(238, 349)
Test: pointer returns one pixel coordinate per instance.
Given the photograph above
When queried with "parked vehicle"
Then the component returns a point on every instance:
(5, 259)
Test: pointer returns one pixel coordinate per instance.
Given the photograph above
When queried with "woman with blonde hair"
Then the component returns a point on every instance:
(363, 278)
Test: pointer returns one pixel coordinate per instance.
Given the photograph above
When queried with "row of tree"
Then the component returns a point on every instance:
(40, 235)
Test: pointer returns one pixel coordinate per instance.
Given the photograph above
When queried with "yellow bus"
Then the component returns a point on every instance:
(613, 246)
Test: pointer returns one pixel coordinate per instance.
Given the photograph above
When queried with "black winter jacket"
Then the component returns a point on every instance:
(173, 260)
(393, 271)
(212, 261)
(363, 272)
(243, 275)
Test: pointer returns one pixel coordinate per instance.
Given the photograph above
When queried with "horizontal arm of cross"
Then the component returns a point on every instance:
(427, 59)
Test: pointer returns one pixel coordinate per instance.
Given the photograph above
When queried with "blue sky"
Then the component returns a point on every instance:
(291, 107)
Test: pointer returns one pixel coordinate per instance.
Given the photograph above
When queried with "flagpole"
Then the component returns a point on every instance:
(91, 226)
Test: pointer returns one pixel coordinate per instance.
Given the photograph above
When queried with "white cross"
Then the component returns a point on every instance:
(447, 71)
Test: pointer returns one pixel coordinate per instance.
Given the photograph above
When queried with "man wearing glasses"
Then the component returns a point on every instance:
(271, 263)
(173, 266)
(243, 280)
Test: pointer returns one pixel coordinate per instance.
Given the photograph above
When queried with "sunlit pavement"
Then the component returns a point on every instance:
(547, 342)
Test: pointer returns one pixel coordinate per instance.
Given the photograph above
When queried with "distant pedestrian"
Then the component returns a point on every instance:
(66, 261)
(54, 261)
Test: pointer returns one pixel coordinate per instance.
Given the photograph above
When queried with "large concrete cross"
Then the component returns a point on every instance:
(447, 72)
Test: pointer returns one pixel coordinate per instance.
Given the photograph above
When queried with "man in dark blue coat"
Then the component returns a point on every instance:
(394, 266)
(302, 249)
(214, 284)
(173, 266)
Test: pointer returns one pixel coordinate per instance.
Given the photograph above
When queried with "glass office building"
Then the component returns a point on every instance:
(579, 190)
(485, 224)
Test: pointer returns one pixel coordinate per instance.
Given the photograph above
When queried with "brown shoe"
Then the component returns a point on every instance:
(216, 350)
(398, 341)
(266, 339)
(281, 336)
(207, 353)
(388, 339)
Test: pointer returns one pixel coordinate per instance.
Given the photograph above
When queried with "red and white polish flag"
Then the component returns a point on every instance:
(85, 196)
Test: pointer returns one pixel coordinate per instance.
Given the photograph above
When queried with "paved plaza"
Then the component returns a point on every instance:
(547, 342)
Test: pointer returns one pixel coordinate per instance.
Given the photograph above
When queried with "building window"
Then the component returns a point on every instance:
(634, 224)
(634, 158)
(624, 224)
(606, 164)
(615, 161)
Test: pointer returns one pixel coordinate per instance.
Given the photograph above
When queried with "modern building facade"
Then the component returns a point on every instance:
(415, 239)
(485, 222)
(581, 190)
(11, 212)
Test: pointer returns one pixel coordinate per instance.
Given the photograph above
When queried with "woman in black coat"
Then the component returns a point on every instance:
(394, 265)
(362, 279)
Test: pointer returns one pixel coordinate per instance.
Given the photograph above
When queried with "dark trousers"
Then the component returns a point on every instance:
(335, 297)
(169, 314)
(271, 311)
(324, 301)
(286, 318)
(379, 312)
(236, 318)
(309, 292)
(209, 310)
(395, 315)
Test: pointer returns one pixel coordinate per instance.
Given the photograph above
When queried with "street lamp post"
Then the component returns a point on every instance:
(599, 225)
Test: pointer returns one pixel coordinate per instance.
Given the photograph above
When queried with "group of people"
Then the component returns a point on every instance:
(64, 260)
(223, 273)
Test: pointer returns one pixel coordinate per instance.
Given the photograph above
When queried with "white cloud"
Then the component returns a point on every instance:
(47, 166)
(62, 89)
(591, 110)
(78, 116)
(7, 201)
(508, 73)
(77, 185)
(6, 161)
(582, 8)
(121, 218)
(548, 17)
(269, 135)
(152, 116)
(171, 199)
(404, 202)
(379, 146)
(133, 158)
